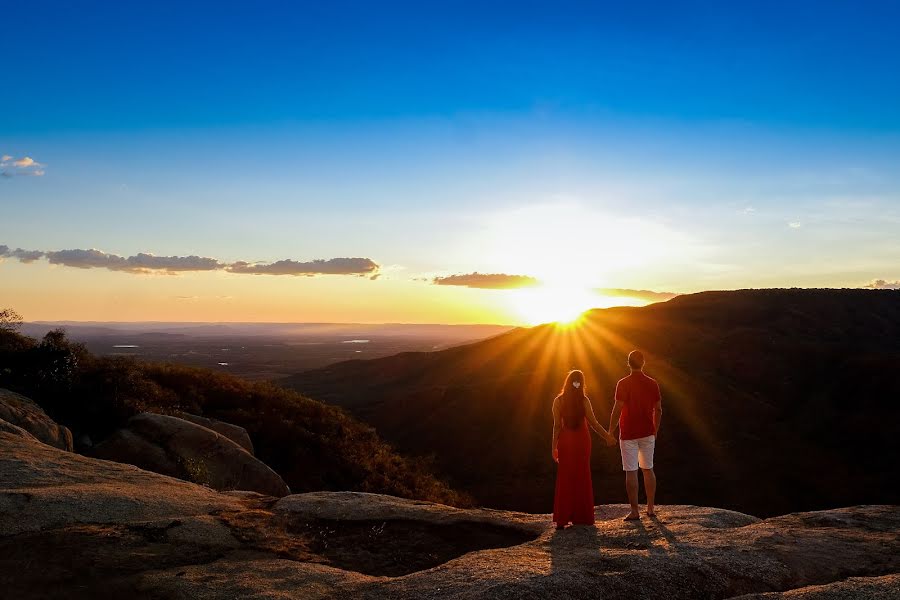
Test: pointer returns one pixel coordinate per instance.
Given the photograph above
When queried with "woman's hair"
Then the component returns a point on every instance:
(571, 399)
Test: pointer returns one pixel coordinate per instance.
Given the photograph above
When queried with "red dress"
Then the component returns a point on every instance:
(574, 500)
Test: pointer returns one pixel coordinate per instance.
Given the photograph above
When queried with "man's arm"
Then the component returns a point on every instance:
(556, 425)
(616, 410)
(657, 412)
(614, 417)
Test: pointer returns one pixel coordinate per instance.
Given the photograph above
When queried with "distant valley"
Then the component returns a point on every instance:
(261, 351)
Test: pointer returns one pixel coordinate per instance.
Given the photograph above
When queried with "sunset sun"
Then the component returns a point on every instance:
(552, 304)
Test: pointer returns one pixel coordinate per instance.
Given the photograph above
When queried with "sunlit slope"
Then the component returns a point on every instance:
(775, 400)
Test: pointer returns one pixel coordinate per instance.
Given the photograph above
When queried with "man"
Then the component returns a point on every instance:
(637, 412)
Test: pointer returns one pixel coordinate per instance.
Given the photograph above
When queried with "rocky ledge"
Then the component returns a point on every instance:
(77, 527)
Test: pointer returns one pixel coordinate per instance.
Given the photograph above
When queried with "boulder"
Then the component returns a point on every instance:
(75, 527)
(178, 448)
(44, 488)
(7, 427)
(25, 413)
(235, 433)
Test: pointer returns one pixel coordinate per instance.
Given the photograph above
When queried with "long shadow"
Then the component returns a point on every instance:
(599, 547)
(575, 547)
(571, 548)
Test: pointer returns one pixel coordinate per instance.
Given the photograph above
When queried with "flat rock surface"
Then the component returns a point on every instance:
(25, 413)
(886, 587)
(75, 527)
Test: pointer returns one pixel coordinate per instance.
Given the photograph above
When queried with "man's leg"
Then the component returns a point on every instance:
(649, 488)
(630, 466)
(646, 448)
(631, 486)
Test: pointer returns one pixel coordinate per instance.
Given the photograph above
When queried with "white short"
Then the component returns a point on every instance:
(637, 452)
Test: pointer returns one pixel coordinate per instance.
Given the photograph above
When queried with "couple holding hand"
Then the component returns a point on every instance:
(637, 412)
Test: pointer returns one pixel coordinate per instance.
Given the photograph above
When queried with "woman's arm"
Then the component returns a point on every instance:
(557, 423)
(595, 424)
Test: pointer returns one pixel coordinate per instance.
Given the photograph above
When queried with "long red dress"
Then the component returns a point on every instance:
(574, 500)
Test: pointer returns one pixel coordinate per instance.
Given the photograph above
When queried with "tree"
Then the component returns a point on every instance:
(10, 320)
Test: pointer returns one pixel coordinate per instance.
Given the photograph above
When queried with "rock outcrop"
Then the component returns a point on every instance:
(7, 427)
(25, 413)
(76, 527)
(179, 448)
(235, 433)
(886, 587)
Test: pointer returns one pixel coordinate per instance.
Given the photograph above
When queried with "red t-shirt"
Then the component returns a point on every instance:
(638, 395)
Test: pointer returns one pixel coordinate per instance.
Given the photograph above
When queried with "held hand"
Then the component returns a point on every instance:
(556, 455)
(610, 439)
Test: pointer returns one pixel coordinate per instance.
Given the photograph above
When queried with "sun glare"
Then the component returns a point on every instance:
(547, 304)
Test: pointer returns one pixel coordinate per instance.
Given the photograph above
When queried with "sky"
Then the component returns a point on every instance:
(440, 162)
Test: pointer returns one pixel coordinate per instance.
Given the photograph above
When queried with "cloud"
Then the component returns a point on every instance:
(25, 162)
(87, 259)
(488, 281)
(140, 263)
(20, 166)
(334, 266)
(881, 284)
(150, 263)
(25, 256)
(647, 295)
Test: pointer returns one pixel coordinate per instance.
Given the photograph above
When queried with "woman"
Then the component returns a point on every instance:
(572, 412)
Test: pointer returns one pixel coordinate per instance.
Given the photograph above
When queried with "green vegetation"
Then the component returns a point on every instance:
(313, 446)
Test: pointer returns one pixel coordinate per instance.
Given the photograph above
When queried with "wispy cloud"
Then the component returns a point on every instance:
(882, 284)
(334, 266)
(145, 263)
(502, 281)
(490, 281)
(646, 295)
(11, 166)
(139, 263)
(25, 256)
(26, 162)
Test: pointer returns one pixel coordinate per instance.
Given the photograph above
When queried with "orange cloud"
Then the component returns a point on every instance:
(488, 281)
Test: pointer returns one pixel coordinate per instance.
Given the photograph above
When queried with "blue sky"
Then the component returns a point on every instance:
(756, 144)
(113, 66)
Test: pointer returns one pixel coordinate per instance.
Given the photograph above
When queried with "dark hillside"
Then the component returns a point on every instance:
(776, 400)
